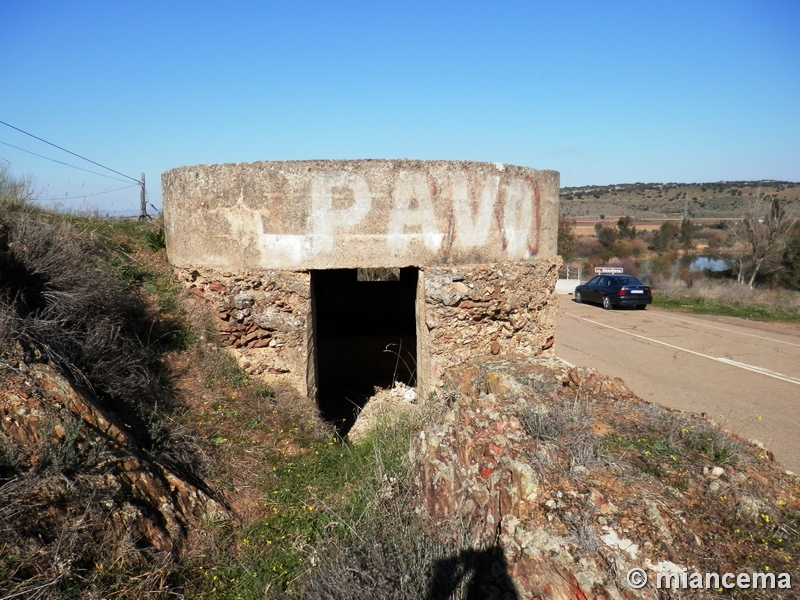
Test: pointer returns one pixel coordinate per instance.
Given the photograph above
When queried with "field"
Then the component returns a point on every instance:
(652, 203)
(584, 226)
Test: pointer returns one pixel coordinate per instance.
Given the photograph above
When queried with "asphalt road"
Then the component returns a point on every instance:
(744, 375)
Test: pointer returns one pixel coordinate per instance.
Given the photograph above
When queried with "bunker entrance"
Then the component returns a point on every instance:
(364, 335)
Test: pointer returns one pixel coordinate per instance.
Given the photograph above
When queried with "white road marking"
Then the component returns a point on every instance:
(727, 361)
(566, 362)
(755, 369)
(704, 324)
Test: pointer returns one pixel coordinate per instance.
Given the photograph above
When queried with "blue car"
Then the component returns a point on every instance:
(614, 290)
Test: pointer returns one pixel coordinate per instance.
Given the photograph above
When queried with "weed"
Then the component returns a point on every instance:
(221, 367)
(647, 453)
(584, 450)
(63, 447)
(562, 424)
(553, 422)
(718, 448)
(583, 531)
(156, 239)
(12, 458)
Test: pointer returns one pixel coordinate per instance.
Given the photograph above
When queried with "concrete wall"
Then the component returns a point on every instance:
(299, 215)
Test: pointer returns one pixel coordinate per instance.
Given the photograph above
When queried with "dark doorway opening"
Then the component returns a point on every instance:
(365, 335)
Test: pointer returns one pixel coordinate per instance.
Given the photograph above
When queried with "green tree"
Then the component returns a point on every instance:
(605, 235)
(566, 237)
(626, 228)
(687, 232)
(664, 238)
(790, 261)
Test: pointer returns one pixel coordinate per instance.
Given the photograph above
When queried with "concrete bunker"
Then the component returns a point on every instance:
(318, 270)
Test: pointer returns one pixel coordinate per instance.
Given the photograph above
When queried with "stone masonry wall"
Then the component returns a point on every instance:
(263, 316)
(462, 312)
(473, 310)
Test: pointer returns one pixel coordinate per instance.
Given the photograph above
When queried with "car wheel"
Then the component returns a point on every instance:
(607, 303)
(641, 306)
(578, 297)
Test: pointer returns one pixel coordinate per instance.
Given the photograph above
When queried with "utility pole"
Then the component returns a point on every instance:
(143, 214)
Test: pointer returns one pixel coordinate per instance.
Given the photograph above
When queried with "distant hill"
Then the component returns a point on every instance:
(669, 200)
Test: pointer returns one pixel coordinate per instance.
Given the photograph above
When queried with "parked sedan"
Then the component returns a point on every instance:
(614, 290)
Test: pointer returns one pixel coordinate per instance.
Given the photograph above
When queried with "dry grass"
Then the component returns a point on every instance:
(727, 298)
(64, 309)
(729, 292)
(71, 295)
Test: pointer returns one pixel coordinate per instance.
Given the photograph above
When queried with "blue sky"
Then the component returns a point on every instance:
(603, 92)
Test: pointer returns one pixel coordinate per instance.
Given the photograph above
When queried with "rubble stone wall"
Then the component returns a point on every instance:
(462, 312)
(491, 309)
(263, 316)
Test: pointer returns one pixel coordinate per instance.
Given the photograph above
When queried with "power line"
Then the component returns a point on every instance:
(127, 187)
(67, 164)
(70, 152)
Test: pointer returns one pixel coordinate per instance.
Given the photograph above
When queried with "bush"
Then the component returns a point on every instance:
(586, 246)
(605, 235)
(625, 247)
(566, 237)
(15, 193)
(789, 276)
(60, 306)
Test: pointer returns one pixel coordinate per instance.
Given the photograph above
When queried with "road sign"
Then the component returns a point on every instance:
(608, 270)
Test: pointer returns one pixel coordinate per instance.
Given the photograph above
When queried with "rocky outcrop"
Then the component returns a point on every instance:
(47, 422)
(576, 481)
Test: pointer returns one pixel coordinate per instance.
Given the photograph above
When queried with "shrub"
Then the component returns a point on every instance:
(790, 262)
(586, 246)
(566, 237)
(15, 193)
(58, 303)
(605, 235)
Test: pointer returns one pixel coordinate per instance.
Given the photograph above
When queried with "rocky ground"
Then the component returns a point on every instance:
(530, 479)
(562, 479)
(572, 481)
(78, 486)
